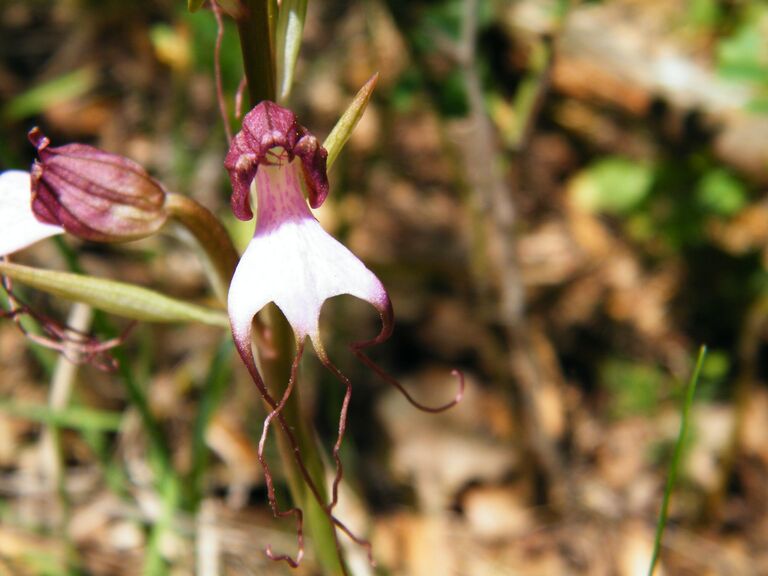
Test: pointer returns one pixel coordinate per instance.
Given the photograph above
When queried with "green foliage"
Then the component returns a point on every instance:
(634, 388)
(613, 185)
(349, 119)
(203, 28)
(714, 374)
(39, 98)
(75, 417)
(704, 13)
(290, 26)
(744, 54)
(720, 192)
(123, 299)
(668, 203)
(434, 31)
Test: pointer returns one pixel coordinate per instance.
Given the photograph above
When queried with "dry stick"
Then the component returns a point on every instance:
(748, 356)
(217, 69)
(208, 540)
(493, 195)
(80, 318)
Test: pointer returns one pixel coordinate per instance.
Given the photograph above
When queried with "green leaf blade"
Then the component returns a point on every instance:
(118, 298)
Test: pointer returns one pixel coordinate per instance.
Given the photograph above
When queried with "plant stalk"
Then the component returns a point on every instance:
(255, 27)
(211, 236)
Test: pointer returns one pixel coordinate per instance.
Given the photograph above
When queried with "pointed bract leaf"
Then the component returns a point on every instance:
(343, 129)
(290, 26)
(194, 5)
(118, 298)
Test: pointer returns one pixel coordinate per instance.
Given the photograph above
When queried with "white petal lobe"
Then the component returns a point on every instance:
(18, 226)
(293, 262)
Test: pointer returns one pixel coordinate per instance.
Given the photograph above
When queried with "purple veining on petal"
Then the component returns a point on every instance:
(266, 127)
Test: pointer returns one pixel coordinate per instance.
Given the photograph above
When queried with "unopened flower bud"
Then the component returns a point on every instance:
(93, 194)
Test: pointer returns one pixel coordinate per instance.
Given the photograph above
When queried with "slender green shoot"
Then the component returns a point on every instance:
(676, 457)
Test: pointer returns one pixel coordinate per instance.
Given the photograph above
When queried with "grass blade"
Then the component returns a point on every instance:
(74, 417)
(676, 457)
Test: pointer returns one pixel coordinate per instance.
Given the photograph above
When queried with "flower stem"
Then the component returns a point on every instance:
(255, 27)
(320, 527)
(210, 234)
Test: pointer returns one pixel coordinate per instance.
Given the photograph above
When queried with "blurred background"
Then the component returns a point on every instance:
(565, 200)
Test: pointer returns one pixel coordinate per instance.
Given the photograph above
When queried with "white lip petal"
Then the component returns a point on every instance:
(293, 262)
(18, 226)
(298, 266)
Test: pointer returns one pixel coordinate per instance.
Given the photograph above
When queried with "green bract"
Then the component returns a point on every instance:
(119, 298)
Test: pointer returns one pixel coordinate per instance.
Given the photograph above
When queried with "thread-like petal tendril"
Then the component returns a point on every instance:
(277, 413)
(357, 349)
(338, 476)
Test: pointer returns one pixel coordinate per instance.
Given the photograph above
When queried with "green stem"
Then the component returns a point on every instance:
(255, 27)
(211, 236)
(319, 527)
(676, 457)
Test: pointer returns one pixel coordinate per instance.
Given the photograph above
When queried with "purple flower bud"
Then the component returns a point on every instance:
(266, 127)
(93, 194)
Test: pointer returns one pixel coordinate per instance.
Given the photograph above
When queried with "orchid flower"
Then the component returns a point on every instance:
(292, 262)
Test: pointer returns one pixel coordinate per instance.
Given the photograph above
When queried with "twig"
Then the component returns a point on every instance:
(492, 196)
